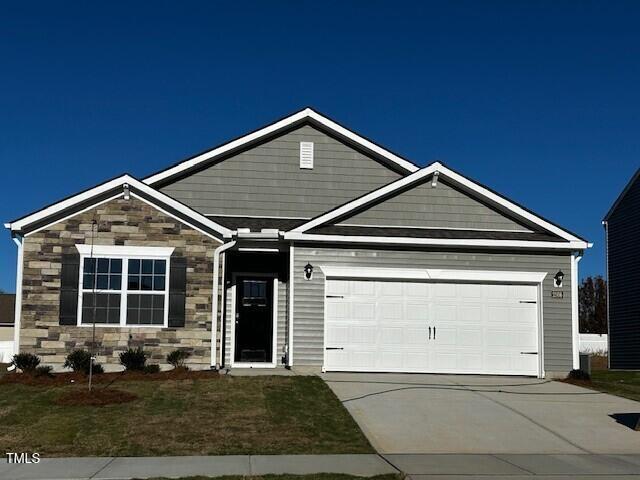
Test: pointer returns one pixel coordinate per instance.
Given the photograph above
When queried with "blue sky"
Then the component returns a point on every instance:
(538, 100)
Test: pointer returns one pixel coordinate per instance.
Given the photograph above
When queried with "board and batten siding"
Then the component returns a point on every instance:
(308, 323)
(623, 271)
(440, 207)
(267, 180)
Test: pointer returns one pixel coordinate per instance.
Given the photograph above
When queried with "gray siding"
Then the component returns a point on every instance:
(308, 327)
(283, 322)
(267, 179)
(440, 207)
(623, 259)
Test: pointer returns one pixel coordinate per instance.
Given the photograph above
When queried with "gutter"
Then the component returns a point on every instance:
(575, 321)
(216, 299)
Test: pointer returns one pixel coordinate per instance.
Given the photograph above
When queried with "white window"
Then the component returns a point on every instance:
(306, 155)
(125, 286)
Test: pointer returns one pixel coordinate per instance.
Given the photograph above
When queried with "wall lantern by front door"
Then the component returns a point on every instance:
(557, 280)
(308, 271)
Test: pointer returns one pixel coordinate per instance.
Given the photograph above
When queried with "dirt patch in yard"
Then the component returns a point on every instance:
(97, 397)
(67, 378)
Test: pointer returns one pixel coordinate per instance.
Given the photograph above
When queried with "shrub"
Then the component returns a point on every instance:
(134, 359)
(78, 361)
(44, 371)
(153, 368)
(97, 369)
(27, 362)
(177, 358)
(579, 375)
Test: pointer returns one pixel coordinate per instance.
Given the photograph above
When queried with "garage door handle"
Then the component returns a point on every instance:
(434, 333)
(528, 353)
(334, 348)
(429, 333)
(528, 301)
(334, 296)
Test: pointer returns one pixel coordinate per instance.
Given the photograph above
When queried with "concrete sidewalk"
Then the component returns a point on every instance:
(416, 466)
(112, 468)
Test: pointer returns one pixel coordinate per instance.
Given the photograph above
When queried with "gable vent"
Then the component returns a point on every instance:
(306, 154)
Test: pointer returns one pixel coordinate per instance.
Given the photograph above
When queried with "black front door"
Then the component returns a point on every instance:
(254, 320)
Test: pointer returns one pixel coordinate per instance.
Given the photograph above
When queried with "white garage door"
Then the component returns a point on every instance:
(391, 326)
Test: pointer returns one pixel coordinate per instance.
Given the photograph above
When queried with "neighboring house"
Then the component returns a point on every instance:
(622, 230)
(309, 246)
(7, 332)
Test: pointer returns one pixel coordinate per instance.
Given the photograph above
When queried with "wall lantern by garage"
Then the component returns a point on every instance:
(557, 280)
(308, 271)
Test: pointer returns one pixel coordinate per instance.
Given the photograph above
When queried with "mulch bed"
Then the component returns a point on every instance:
(66, 378)
(96, 397)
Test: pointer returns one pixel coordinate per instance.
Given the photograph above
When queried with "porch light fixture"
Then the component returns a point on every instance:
(558, 279)
(308, 271)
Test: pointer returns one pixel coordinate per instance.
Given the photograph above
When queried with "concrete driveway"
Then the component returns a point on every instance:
(444, 414)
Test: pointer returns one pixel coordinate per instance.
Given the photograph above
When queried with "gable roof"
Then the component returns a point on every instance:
(306, 115)
(419, 177)
(624, 192)
(110, 190)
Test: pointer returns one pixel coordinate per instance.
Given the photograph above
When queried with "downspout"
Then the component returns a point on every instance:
(214, 311)
(291, 303)
(18, 305)
(575, 322)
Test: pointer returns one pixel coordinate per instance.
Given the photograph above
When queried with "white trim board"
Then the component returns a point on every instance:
(307, 113)
(433, 274)
(122, 181)
(438, 242)
(419, 175)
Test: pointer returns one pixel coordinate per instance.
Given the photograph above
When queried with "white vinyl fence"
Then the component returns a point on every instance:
(6, 351)
(593, 343)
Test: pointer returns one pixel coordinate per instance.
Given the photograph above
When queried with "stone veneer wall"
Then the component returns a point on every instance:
(120, 222)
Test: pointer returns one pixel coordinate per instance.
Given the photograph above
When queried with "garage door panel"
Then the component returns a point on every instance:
(478, 328)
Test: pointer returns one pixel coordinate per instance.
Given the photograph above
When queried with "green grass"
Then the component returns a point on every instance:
(621, 383)
(219, 416)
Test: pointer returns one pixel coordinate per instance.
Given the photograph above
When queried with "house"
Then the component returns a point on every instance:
(309, 246)
(622, 234)
(7, 332)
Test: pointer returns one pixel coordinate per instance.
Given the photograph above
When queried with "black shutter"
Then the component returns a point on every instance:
(177, 291)
(69, 289)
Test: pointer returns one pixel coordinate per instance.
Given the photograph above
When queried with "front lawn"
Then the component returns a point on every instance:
(201, 416)
(621, 383)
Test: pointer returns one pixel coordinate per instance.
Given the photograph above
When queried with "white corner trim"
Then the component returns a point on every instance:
(125, 251)
(575, 318)
(440, 242)
(499, 276)
(274, 127)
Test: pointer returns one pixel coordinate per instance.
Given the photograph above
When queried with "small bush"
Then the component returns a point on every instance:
(97, 369)
(153, 368)
(579, 375)
(78, 361)
(27, 362)
(134, 359)
(177, 358)
(44, 371)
